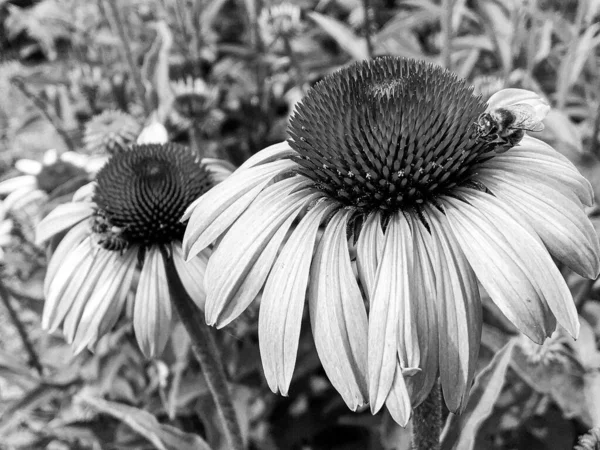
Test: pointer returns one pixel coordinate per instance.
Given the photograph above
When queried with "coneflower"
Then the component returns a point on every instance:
(394, 196)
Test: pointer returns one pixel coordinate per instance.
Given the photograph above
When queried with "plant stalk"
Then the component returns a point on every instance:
(34, 359)
(117, 25)
(205, 350)
(446, 24)
(367, 24)
(427, 421)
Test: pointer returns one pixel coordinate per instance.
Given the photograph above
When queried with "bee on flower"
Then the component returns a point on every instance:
(383, 172)
(119, 229)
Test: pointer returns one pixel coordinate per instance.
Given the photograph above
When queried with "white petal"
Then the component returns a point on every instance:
(338, 315)
(191, 274)
(368, 252)
(561, 224)
(275, 152)
(85, 193)
(424, 301)
(107, 297)
(21, 182)
(81, 289)
(28, 166)
(282, 302)
(535, 160)
(216, 210)
(21, 202)
(61, 218)
(59, 282)
(252, 242)
(502, 269)
(459, 312)
(154, 133)
(152, 309)
(398, 400)
(390, 329)
(509, 97)
(50, 157)
(16, 197)
(521, 247)
(71, 240)
(219, 168)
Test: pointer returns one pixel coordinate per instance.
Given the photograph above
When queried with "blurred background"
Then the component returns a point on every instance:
(79, 80)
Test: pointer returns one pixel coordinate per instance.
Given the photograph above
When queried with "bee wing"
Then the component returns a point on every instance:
(525, 117)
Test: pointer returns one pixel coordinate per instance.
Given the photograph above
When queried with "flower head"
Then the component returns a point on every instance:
(279, 21)
(122, 224)
(195, 102)
(110, 132)
(38, 180)
(385, 209)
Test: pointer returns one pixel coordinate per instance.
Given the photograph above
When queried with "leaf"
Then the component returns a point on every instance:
(460, 432)
(343, 35)
(162, 436)
(499, 28)
(18, 410)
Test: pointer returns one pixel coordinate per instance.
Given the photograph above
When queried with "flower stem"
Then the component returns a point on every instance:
(427, 421)
(367, 24)
(205, 349)
(117, 25)
(34, 359)
(446, 24)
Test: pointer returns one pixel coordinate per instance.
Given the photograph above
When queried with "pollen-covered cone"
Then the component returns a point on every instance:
(118, 231)
(387, 168)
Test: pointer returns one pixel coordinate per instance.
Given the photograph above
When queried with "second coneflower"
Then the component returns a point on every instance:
(118, 228)
(394, 196)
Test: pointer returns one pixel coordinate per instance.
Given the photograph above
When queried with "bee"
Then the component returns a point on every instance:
(108, 236)
(507, 126)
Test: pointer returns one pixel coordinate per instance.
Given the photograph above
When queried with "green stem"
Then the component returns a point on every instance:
(295, 63)
(117, 25)
(446, 23)
(367, 25)
(427, 421)
(205, 349)
(34, 359)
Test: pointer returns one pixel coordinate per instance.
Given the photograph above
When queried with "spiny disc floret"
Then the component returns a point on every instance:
(143, 192)
(388, 134)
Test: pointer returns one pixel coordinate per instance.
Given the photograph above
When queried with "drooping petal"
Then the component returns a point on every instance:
(275, 152)
(509, 97)
(62, 275)
(28, 182)
(521, 254)
(29, 166)
(282, 302)
(107, 297)
(338, 315)
(17, 197)
(458, 312)
(219, 169)
(391, 332)
(398, 400)
(71, 240)
(152, 308)
(254, 240)
(215, 211)
(424, 300)
(61, 218)
(85, 193)
(534, 160)
(368, 251)
(82, 286)
(561, 224)
(19, 202)
(192, 274)
(502, 268)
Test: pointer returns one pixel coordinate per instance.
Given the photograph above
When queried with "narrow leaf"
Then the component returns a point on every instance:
(354, 45)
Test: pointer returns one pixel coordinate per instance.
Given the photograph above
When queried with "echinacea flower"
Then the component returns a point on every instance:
(110, 132)
(384, 209)
(122, 224)
(195, 102)
(41, 179)
(279, 21)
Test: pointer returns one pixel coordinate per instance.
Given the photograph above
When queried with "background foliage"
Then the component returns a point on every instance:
(65, 62)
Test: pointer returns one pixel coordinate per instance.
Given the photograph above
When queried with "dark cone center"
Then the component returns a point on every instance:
(388, 134)
(142, 194)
